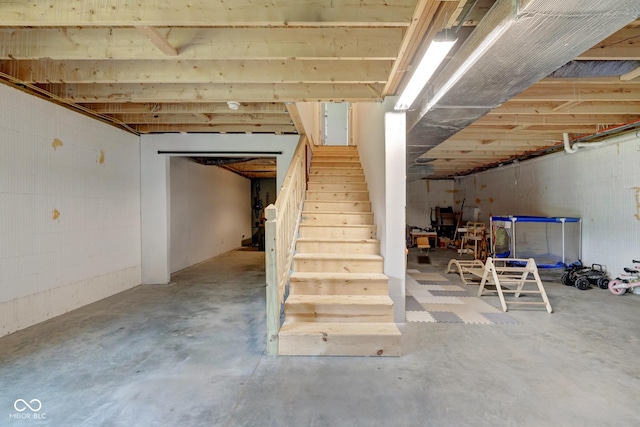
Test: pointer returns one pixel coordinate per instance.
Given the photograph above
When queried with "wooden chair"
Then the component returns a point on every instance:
(423, 243)
(472, 238)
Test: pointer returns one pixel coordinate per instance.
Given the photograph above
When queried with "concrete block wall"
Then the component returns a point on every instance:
(69, 210)
(600, 185)
(424, 195)
(210, 212)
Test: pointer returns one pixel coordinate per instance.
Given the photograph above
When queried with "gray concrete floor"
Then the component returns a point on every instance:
(192, 354)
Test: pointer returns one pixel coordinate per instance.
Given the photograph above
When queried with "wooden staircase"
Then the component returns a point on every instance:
(338, 301)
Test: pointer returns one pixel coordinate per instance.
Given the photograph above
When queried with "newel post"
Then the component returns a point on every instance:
(271, 266)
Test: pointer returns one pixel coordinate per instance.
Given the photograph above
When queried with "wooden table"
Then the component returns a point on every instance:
(430, 234)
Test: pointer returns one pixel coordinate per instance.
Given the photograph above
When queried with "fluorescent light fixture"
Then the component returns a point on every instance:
(438, 50)
(467, 64)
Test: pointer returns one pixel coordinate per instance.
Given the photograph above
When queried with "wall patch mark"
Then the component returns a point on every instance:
(56, 143)
(637, 190)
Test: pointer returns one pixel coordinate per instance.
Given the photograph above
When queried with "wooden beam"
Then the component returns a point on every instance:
(580, 92)
(276, 108)
(565, 105)
(552, 120)
(243, 128)
(294, 114)
(202, 13)
(158, 40)
(465, 155)
(505, 147)
(197, 71)
(202, 43)
(498, 143)
(203, 117)
(575, 107)
(595, 81)
(212, 93)
(194, 118)
(420, 21)
(631, 75)
(622, 45)
(437, 23)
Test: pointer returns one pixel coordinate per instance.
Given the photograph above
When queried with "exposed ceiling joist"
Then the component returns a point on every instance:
(623, 45)
(550, 107)
(171, 66)
(204, 71)
(551, 119)
(195, 107)
(193, 118)
(177, 13)
(178, 92)
(202, 43)
(222, 128)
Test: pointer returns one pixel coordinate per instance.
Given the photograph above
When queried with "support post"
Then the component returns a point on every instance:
(273, 301)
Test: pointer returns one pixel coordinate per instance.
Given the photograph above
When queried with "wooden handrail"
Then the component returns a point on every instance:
(281, 231)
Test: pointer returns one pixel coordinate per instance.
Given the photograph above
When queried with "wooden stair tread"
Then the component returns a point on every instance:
(327, 240)
(335, 213)
(339, 225)
(300, 275)
(328, 256)
(337, 191)
(340, 299)
(335, 328)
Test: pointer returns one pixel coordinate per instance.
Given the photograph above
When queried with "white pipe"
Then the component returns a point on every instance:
(568, 148)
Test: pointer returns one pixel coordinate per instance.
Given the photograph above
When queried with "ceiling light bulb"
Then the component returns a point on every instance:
(233, 105)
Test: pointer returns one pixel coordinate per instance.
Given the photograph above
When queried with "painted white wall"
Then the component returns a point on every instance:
(600, 185)
(155, 189)
(69, 214)
(210, 212)
(424, 195)
(381, 140)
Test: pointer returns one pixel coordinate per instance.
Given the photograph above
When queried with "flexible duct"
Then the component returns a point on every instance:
(516, 44)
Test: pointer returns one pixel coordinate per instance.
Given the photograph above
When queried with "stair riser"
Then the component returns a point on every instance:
(307, 312)
(337, 196)
(339, 247)
(338, 287)
(338, 218)
(324, 179)
(338, 317)
(337, 206)
(343, 345)
(336, 186)
(346, 232)
(339, 266)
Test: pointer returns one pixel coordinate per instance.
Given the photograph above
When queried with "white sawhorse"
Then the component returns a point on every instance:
(507, 273)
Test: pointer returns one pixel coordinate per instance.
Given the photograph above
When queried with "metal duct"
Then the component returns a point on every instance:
(515, 45)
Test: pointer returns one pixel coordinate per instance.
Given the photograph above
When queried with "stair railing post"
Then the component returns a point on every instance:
(273, 300)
